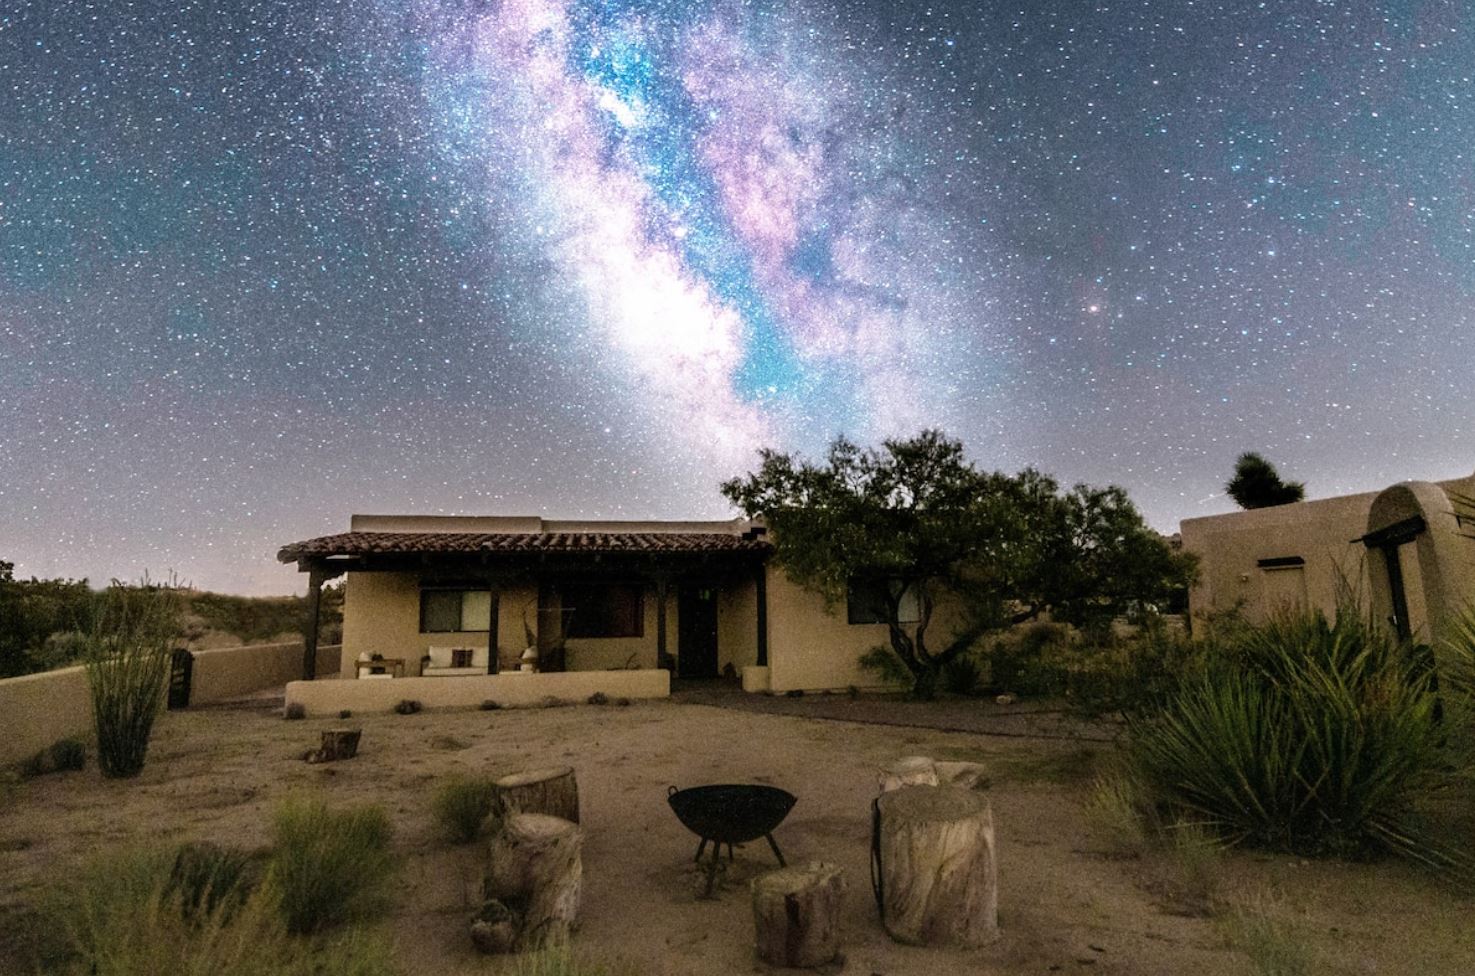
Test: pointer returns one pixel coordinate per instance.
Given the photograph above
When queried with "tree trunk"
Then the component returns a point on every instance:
(938, 878)
(797, 915)
(534, 864)
(553, 791)
(337, 744)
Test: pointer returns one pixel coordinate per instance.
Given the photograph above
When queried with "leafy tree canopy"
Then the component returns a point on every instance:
(916, 513)
(1256, 484)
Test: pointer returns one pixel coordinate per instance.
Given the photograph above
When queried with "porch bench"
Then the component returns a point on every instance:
(442, 663)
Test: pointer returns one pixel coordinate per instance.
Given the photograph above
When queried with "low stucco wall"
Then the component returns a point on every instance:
(38, 709)
(230, 672)
(510, 690)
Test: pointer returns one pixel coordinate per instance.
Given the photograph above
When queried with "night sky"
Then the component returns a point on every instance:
(263, 265)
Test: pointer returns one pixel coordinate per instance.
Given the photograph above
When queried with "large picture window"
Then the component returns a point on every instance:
(865, 602)
(604, 610)
(446, 611)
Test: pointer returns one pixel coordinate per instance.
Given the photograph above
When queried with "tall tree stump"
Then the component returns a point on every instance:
(535, 872)
(553, 791)
(337, 744)
(937, 875)
(797, 915)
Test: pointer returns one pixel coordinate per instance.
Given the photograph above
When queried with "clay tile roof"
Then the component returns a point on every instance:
(365, 543)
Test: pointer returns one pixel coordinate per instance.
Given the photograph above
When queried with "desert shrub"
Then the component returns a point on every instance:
(1259, 926)
(1301, 735)
(328, 866)
(407, 707)
(207, 879)
(345, 713)
(1118, 811)
(462, 805)
(127, 663)
(1133, 674)
(490, 705)
(68, 754)
(1030, 661)
(295, 712)
(885, 665)
(962, 675)
(599, 698)
(122, 916)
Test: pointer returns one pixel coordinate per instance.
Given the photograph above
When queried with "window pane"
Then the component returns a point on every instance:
(614, 610)
(476, 610)
(865, 602)
(440, 611)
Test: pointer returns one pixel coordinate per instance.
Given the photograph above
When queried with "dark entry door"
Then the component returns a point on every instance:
(696, 632)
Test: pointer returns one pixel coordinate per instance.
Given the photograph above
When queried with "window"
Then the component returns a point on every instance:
(608, 610)
(865, 602)
(455, 611)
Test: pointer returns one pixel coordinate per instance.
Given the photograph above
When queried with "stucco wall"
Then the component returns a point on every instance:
(1438, 567)
(508, 690)
(38, 709)
(1320, 532)
(737, 625)
(813, 648)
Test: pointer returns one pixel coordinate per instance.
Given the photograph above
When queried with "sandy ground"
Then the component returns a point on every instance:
(1065, 905)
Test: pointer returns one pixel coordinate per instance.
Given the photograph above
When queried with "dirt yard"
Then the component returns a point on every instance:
(1066, 905)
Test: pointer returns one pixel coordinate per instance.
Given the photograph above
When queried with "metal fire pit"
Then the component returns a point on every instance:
(730, 813)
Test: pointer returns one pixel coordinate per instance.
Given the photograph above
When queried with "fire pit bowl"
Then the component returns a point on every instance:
(731, 813)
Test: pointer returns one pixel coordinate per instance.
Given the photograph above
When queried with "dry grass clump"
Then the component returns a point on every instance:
(1259, 925)
(328, 866)
(1115, 809)
(462, 805)
(560, 960)
(127, 915)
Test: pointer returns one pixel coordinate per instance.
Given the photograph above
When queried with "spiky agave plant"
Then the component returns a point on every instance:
(1305, 735)
(133, 629)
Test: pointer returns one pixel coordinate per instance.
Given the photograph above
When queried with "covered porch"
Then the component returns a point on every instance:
(452, 605)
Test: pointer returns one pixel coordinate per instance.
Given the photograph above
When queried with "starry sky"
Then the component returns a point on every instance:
(264, 264)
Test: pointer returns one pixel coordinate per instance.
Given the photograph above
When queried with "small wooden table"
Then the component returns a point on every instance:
(392, 666)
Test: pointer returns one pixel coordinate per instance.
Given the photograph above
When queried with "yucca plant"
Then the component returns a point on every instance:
(1304, 735)
(128, 647)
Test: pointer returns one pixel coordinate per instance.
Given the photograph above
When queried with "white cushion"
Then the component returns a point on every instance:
(440, 657)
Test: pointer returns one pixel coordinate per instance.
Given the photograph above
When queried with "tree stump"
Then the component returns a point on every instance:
(911, 771)
(535, 871)
(337, 744)
(797, 915)
(553, 791)
(938, 878)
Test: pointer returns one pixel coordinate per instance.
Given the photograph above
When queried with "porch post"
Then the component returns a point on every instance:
(663, 659)
(761, 582)
(494, 661)
(315, 578)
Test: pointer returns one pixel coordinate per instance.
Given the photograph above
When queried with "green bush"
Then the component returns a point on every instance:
(127, 663)
(328, 866)
(1031, 661)
(463, 805)
(1300, 735)
(962, 675)
(407, 707)
(68, 755)
(125, 915)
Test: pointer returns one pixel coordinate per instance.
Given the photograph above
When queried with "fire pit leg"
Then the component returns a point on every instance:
(700, 847)
(712, 868)
(776, 852)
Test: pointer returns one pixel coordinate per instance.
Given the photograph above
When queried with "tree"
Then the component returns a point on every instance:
(1256, 484)
(918, 517)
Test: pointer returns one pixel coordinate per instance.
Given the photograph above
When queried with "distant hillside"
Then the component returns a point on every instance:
(42, 622)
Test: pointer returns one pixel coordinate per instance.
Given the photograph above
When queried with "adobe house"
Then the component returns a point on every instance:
(1407, 553)
(459, 609)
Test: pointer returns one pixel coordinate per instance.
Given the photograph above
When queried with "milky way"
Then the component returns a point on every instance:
(263, 264)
